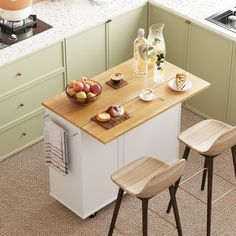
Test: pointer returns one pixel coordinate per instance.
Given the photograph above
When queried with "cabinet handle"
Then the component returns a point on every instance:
(18, 75)
(21, 105)
(23, 134)
(188, 22)
(108, 21)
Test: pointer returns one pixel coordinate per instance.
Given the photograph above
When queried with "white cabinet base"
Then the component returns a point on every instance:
(88, 187)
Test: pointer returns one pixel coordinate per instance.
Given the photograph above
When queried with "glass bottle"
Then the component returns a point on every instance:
(140, 54)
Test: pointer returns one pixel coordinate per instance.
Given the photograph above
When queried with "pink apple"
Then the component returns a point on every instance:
(83, 79)
(78, 86)
(96, 89)
(86, 88)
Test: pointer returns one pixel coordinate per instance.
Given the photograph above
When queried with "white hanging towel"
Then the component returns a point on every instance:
(55, 146)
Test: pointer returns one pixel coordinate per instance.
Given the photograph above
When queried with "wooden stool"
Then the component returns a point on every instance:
(208, 138)
(144, 178)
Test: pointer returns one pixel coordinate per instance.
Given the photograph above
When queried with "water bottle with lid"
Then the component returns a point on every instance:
(140, 54)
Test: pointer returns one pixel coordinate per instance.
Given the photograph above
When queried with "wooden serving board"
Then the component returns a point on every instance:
(122, 83)
(113, 121)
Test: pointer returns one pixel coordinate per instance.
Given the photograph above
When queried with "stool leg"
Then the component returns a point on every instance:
(175, 207)
(233, 150)
(204, 174)
(116, 211)
(209, 193)
(185, 156)
(145, 215)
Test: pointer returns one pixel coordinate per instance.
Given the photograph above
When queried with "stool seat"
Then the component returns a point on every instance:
(144, 178)
(147, 176)
(209, 137)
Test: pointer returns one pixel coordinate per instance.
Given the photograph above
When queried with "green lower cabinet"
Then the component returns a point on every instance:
(29, 98)
(209, 57)
(21, 135)
(231, 112)
(29, 68)
(86, 53)
(122, 32)
(175, 34)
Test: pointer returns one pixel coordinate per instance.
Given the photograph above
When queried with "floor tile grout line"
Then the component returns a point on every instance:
(234, 184)
(223, 195)
(162, 217)
(193, 195)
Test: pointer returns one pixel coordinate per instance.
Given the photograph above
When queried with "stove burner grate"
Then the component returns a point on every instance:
(12, 27)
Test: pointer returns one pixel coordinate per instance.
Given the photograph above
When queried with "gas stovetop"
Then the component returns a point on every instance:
(13, 32)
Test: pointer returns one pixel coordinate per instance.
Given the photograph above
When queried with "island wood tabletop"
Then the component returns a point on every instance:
(128, 97)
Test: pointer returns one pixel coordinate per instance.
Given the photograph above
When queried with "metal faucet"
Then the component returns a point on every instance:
(232, 21)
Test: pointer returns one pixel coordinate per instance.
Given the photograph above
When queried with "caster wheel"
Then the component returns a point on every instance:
(93, 215)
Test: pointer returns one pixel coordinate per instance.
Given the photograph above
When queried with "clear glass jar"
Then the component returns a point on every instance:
(157, 51)
(157, 48)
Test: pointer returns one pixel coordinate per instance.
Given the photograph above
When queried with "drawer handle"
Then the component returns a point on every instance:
(23, 134)
(21, 105)
(18, 75)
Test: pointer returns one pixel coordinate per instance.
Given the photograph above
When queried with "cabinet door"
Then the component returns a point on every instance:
(175, 34)
(85, 53)
(122, 32)
(209, 57)
(231, 115)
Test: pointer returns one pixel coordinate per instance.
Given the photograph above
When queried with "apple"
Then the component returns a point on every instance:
(86, 88)
(95, 88)
(81, 95)
(78, 86)
(71, 91)
(90, 82)
(83, 79)
(91, 96)
(71, 83)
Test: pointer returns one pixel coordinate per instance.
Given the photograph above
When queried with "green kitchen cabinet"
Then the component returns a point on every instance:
(209, 57)
(122, 32)
(26, 83)
(175, 34)
(86, 53)
(231, 111)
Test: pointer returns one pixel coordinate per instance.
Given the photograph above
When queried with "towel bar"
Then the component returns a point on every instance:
(68, 134)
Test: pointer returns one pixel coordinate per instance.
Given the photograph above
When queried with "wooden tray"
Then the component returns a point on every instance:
(113, 121)
(117, 85)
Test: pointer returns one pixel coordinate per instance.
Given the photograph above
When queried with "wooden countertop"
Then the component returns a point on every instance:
(128, 97)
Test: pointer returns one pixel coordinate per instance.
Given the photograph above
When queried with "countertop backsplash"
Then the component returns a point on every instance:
(69, 17)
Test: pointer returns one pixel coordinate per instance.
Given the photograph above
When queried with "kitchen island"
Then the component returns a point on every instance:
(95, 153)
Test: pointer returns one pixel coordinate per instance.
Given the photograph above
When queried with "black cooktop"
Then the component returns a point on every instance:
(14, 32)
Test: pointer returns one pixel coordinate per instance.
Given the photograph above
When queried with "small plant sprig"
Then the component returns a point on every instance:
(160, 60)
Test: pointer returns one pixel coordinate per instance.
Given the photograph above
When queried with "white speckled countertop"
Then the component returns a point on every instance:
(72, 16)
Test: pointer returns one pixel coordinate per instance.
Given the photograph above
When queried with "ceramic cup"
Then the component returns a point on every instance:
(116, 77)
(147, 93)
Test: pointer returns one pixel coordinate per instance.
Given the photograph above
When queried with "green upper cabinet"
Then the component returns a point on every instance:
(175, 34)
(86, 53)
(122, 32)
(231, 115)
(209, 57)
